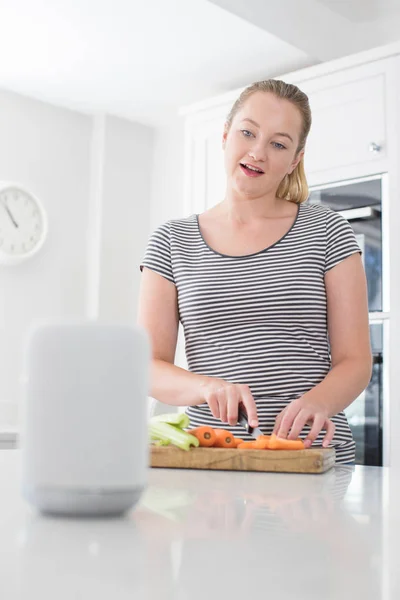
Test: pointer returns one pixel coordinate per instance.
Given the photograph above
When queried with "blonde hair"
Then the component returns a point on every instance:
(293, 186)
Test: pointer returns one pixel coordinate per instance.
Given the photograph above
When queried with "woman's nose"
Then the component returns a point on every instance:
(258, 154)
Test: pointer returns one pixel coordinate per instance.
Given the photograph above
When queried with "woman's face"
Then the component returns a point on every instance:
(264, 134)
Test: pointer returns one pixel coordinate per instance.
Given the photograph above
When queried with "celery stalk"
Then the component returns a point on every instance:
(158, 442)
(165, 432)
(180, 420)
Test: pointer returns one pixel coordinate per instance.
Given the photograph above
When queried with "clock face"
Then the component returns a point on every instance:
(22, 225)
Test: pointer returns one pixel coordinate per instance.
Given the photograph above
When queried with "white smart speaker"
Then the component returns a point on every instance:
(84, 435)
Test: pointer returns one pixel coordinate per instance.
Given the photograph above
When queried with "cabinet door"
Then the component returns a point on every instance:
(348, 132)
(215, 168)
(205, 179)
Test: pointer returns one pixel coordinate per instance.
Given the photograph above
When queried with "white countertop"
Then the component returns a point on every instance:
(214, 535)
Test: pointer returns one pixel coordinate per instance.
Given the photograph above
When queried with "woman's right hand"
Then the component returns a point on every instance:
(224, 399)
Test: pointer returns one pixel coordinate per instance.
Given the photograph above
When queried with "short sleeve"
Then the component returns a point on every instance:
(341, 240)
(157, 256)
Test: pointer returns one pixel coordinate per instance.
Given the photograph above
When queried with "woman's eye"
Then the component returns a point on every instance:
(279, 146)
(246, 132)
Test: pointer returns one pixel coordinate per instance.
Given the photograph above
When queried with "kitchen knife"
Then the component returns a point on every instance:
(253, 431)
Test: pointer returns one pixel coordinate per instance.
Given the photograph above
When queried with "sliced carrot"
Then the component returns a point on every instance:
(262, 442)
(248, 446)
(238, 441)
(224, 439)
(276, 443)
(205, 434)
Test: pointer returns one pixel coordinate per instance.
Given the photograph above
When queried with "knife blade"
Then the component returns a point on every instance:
(253, 431)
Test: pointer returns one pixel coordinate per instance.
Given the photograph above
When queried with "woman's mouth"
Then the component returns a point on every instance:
(250, 170)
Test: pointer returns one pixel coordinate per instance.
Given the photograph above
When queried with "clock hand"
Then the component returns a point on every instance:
(9, 214)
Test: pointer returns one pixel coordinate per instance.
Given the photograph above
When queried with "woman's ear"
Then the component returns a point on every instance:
(296, 161)
(225, 135)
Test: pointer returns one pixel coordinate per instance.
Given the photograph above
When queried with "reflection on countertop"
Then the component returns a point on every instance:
(214, 534)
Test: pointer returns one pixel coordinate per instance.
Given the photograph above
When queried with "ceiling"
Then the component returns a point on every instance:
(142, 60)
(359, 11)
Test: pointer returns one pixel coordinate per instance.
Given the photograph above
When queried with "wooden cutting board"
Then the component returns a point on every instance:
(315, 460)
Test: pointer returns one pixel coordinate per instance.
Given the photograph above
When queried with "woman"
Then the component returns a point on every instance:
(271, 292)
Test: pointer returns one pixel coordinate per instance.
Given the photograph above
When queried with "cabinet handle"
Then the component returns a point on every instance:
(374, 147)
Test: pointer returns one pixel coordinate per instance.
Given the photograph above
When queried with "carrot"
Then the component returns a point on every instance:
(238, 441)
(262, 442)
(276, 443)
(247, 446)
(224, 439)
(205, 434)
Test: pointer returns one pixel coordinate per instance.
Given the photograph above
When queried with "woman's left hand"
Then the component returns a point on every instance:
(304, 411)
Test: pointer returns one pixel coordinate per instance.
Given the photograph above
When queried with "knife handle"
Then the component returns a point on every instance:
(242, 418)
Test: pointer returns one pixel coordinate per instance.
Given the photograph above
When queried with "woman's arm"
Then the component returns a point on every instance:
(348, 328)
(158, 314)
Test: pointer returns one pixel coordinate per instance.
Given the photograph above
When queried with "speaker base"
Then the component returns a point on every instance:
(89, 502)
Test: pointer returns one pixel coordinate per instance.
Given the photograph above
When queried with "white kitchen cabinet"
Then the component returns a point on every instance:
(348, 137)
(204, 160)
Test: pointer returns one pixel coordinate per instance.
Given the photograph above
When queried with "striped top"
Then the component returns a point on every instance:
(258, 319)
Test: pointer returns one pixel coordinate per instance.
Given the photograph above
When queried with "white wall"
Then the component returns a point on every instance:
(46, 149)
(126, 199)
(96, 190)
